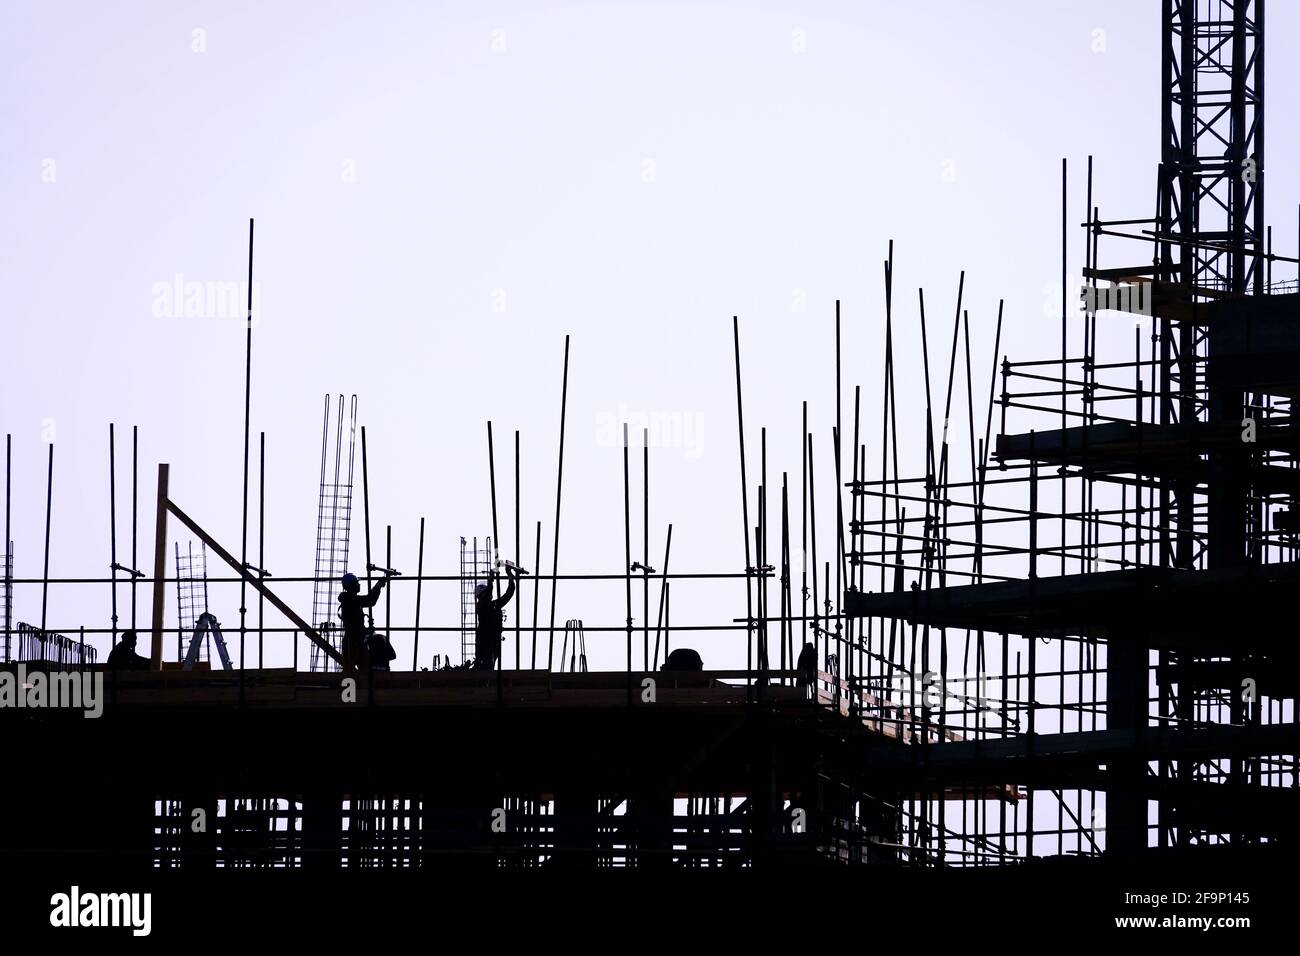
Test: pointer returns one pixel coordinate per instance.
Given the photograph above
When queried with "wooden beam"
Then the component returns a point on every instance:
(159, 567)
(261, 588)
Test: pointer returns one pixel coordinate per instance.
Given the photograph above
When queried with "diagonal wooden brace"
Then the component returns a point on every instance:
(165, 505)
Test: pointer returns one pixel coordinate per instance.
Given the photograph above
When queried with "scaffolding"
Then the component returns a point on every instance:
(1111, 569)
(1059, 638)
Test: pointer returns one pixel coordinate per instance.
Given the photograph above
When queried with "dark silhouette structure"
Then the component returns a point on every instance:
(684, 659)
(1155, 489)
(1029, 638)
(807, 667)
(380, 651)
(352, 612)
(490, 621)
(123, 656)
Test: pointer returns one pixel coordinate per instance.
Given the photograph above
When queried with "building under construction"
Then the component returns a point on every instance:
(1060, 635)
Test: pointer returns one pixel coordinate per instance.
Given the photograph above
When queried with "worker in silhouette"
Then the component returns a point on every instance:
(123, 656)
(380, 650)
(807, 669)
(684, 659)
(489, 623)
(352, 612)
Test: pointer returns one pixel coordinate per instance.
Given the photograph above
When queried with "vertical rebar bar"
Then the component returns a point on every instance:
(787, 652)
(112, 524)
(627, 563)
(803, 516)
(559, 487)
(663, 592)
(248, 400)
(839, 502)
(388, 591)
(49, 501)
(261, 547)
(537, 586)
(135, 525)
(419, 591)
(761, 561)
(645, 566)
(9, 559)
(1064, 348)
(518, 554)
(744, 512)
(812, 523)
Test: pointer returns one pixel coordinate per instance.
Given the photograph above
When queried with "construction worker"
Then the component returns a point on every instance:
(807, 669)
(352, 612)
(684, 659)
(487, 629)
(381, 652)
(123, 656)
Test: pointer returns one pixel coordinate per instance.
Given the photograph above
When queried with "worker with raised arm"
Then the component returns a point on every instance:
(352, 612)
(490, 621)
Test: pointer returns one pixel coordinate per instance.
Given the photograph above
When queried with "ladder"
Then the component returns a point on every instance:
(206, 624)
(475, 566)
(7, 598)
(333, 526)
(191, 590)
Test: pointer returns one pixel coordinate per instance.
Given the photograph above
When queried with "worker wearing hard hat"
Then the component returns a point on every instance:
(123, 656)
(352, 612)
(488, 627)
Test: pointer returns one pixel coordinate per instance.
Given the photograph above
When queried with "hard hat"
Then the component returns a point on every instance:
(350, 580)
(480, 589)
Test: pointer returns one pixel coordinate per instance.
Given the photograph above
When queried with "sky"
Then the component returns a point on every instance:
(444, 192)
